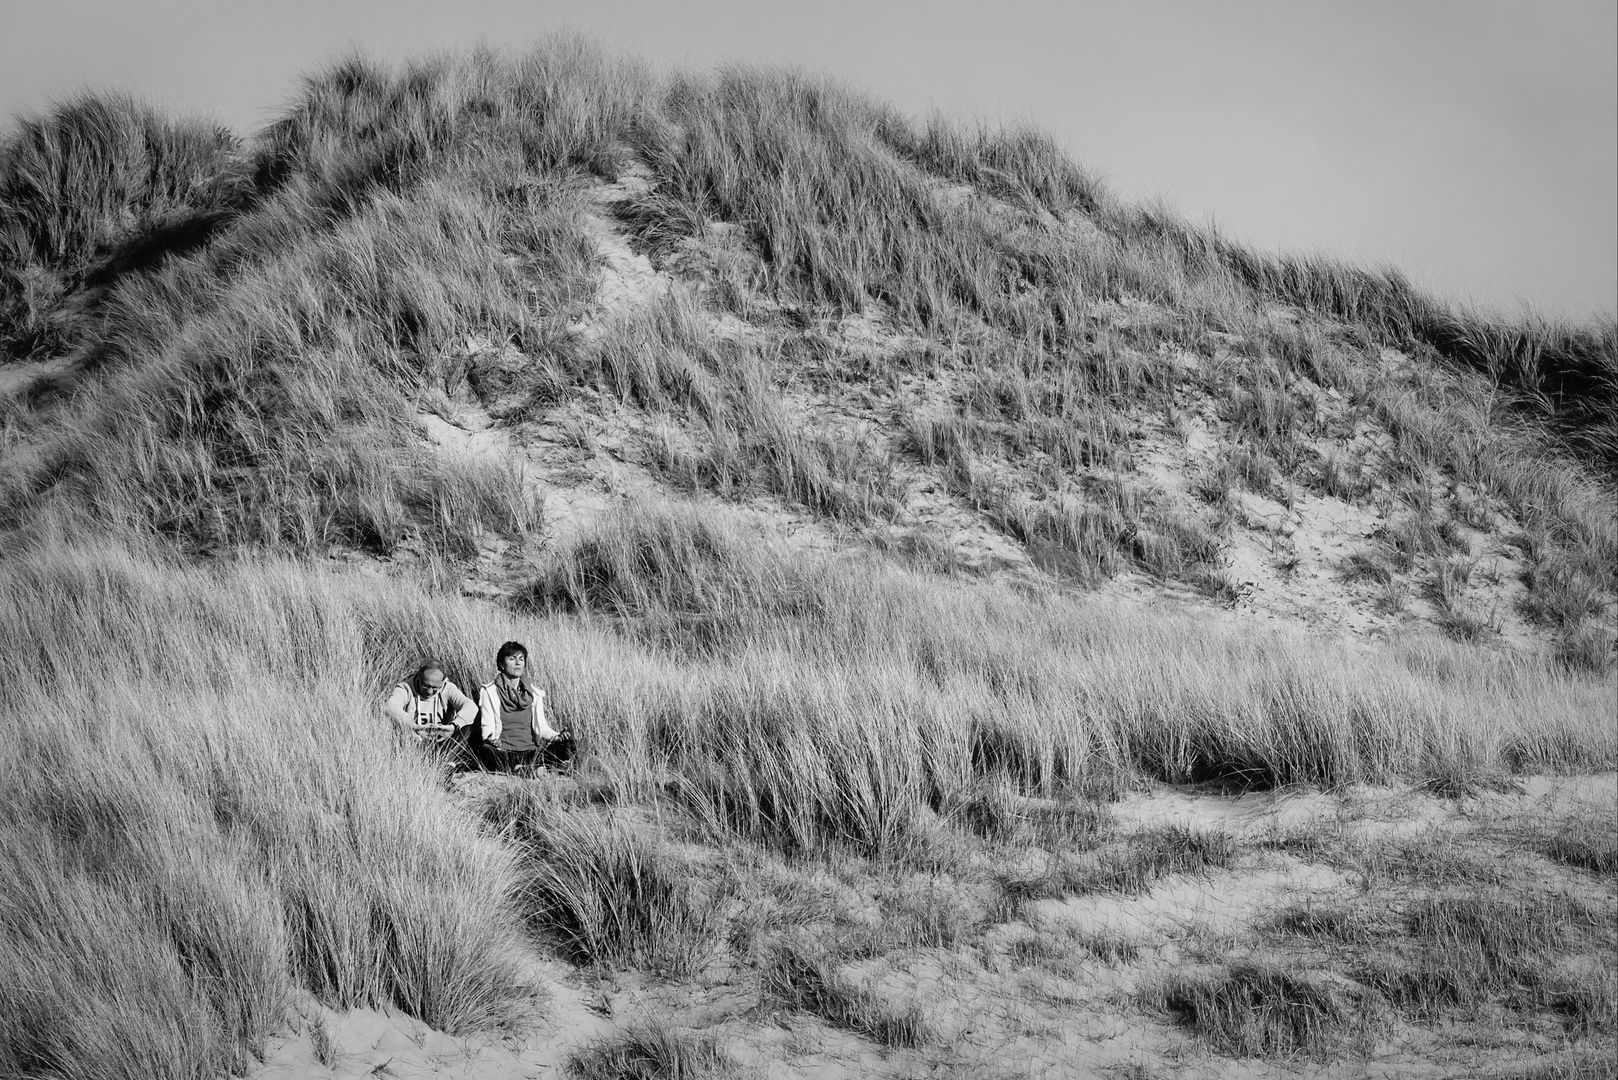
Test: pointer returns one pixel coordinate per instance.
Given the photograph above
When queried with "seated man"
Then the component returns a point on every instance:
(429, 708)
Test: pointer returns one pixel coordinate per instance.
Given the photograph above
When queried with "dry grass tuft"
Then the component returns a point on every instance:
(1331, 923)
(1156, 853)
(1260, 1010)
(801, 978)
(1589, 843)
(649, 1051)
(606, 895)
(1477, 948)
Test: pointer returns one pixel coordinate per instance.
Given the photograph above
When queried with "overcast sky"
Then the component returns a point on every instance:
(1473, 143)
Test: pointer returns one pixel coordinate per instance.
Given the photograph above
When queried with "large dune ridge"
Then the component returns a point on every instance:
(1006, 631)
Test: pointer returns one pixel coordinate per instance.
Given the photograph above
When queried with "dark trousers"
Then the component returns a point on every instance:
(495, 759)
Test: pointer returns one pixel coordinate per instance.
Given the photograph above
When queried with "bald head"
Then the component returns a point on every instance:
(429, 678)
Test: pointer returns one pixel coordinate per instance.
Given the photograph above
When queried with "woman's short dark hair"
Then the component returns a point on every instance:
(510, 648)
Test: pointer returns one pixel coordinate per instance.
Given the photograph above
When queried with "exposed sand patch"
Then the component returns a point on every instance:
(16, 378)
(471, 435)
(627, 280)
(386, 1043)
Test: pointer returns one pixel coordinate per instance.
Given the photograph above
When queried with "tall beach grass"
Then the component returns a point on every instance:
(207, 817)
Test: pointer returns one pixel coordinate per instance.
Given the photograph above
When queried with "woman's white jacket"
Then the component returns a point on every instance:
(489, 725)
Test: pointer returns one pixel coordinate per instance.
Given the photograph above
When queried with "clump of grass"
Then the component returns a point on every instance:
(325, 1048)
(1462, 777)
(1156, 853)
(1261, 1010)
(1467, 625)
(1367, 567)
(1475, 948)
(949, 441)
(801, 978)
(649, 562)
(1036, 951)
(1474, 509)
(1326, 844)
(1421, 534)
(1220, 585)
(1015, 890)
(1590, 843)
(657, 355)
(1086, 542)
(1107, 946)
(1184, 849)
(923, 549)
(751, 788)
(1392, 597)
(1069, 824)
(1588, 647)
(1433, 858)
(1560, 592)
(1089, 440)
(1451, 577)
(1343, 924)
(1587, 1001)
(1460, 620)
(651, 1051)
(1172, 544)
(605, 895)
(1266, 415)
(927, 913)
(1256, 470)
(1218, 488)
(1344, 476)
(994, 811)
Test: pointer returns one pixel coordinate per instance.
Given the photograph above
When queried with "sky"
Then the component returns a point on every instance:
(1471, 143)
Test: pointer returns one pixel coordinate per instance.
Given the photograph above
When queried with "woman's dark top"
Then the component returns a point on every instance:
(516, 716)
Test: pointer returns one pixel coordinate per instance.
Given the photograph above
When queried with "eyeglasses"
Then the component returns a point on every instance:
(428, 690)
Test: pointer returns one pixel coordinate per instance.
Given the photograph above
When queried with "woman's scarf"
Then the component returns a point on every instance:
(515, 696)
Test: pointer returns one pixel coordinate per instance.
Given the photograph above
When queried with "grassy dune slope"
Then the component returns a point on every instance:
(748, 372)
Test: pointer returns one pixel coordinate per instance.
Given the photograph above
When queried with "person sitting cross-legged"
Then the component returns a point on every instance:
(427, 708)
(511, 715)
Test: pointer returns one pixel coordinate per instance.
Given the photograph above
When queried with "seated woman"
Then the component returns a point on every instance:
(511, 715)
